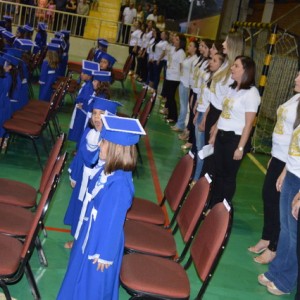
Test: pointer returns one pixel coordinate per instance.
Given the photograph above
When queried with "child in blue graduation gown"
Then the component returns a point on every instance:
(101, 85)
(81, 102)
(41, 36)
(102, 48)
(5, 86)
(65, 54)
(49, 71)
(96, 257)
(85, 159)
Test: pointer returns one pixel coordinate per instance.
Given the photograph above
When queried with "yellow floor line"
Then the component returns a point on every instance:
(257, 163)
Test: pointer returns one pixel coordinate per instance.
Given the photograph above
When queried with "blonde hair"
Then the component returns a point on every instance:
(53, 59)
(120, 158)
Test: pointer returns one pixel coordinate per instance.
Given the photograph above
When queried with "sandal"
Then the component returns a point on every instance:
(260, 247)
(266, 257)
(68, 245)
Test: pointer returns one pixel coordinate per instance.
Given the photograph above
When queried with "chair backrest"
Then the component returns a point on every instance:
(36, 223)
(51, 162)
(210, 242)
(57, 171)
(178, 183)
(145, 114)
(139, 101)
(193, 208)
(127, 65)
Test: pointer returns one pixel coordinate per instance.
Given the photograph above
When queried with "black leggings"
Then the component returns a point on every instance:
(271, 197)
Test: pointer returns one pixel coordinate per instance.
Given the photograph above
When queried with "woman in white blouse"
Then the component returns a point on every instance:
(231, 135)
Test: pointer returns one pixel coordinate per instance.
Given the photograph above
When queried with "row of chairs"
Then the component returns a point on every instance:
(31, 121)
(22, 219)
(164, 277)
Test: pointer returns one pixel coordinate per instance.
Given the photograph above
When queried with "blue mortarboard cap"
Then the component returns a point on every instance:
(53, 47)
(58, 35)
(88, 67)
(121, 131)
(21, 29)
(103, 76)
(104, 104)
(42, 26)
(25, 44)
(11, 59)
(7, 18)
(15, 52)
(8, 35)
(28, 28)
(103, 43)
(60, 42)
(111, 60)
(66, 33)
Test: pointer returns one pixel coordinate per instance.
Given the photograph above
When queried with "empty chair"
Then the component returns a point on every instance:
(160, 241)
(16, 221)
(121, 75)
(15, 255)
(21, 194)
(147, 211)
(145, 276)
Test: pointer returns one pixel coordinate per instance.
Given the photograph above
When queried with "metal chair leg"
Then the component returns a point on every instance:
(34, 289)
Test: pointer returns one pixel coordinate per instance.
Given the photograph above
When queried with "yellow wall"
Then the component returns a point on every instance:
(207, 27)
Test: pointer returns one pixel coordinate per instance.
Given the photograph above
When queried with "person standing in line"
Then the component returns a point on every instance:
(83, 9)
(286, 115)
(96, 257)
(281, 277)
(231, 134)
(129, 14)
(133, 45)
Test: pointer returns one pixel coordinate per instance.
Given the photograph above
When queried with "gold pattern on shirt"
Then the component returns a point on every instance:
(281, 117)
(227, 106)
(294, 149)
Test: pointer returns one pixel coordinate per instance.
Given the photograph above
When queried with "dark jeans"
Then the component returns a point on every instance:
(211, 119)
(142, 69)
(171, 87)
(125, 33)
(224, 183)
(134, 54)
(271, 197)
(163, 92)
(190, 125)
(156, 72)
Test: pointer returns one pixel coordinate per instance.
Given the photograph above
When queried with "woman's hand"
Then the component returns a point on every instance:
(296, 206)
(280, 180)
(238, 154)
(101, 266)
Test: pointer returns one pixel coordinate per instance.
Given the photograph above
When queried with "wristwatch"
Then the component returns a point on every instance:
(241, 149)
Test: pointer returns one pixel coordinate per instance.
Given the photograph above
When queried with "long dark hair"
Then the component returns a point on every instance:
(248, 78)
(297, 121)
(157, 38)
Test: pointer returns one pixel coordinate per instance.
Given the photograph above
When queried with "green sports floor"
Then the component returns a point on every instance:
(236, 274)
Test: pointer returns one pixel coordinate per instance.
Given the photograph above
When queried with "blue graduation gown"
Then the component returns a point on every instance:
(20, 96)
(64, 62)
(47, 78)
(5, 105)
(79, 116)
(101, 235)
(41, 40)
(97, 56)
(80, 169)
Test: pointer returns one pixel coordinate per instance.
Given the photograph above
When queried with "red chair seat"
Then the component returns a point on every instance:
(154, 275)
(146, 211)
(17, 193)
(22, 127)
(149, 239)
(118, 75)
(10, 253)
(15, 220)
(36, 104)
(35, 117)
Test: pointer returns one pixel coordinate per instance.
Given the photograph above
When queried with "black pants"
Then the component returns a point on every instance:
(134, 54)
(190, 125)
(171, 87)
(271, 197)
(125, 33)
(211, 119)
(224, 183)
(163, 91)
(80, 26)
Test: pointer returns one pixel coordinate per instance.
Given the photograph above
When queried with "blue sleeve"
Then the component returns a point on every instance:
(110, 220)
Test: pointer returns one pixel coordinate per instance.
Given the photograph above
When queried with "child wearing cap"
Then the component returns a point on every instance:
(106, 62)
(85, 159)
(101, 85)
(81, 102)
(41, 36)
(102, 48)
(49, 72)
(96, 257)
